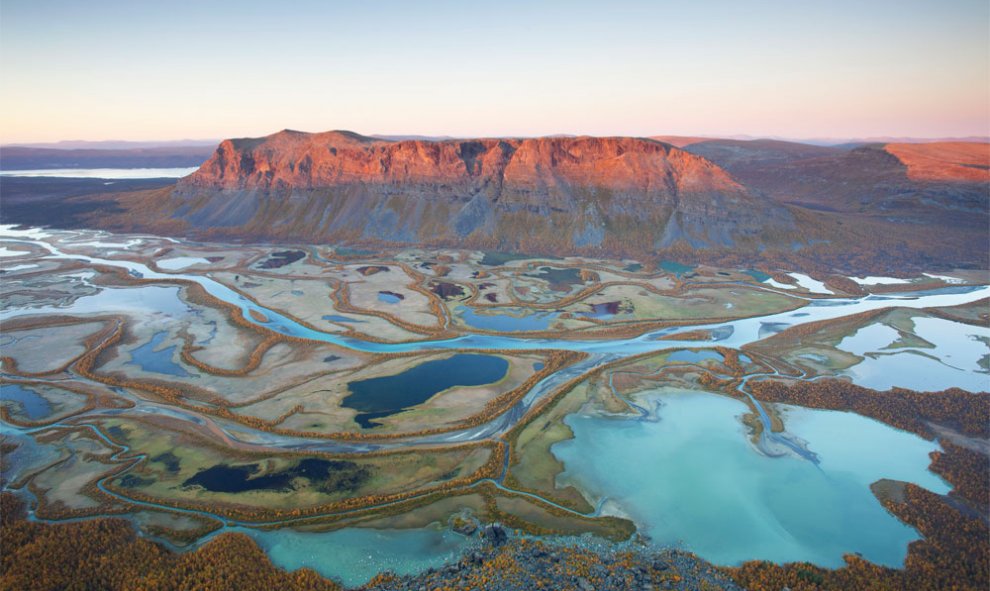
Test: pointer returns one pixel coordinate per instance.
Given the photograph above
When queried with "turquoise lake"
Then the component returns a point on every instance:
(743, 505)
(951, 358)
(354, 555)
(675, 268)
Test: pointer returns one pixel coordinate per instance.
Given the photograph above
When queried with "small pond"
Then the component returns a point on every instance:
(34, 405)
(390, 297)
(339, 318)
(676, 269)
(375, 398)
(330, 475)
(150, 357)
(506, 321)
(689, 356)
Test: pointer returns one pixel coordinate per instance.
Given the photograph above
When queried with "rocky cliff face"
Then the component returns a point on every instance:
(617, 195)
(295, 160)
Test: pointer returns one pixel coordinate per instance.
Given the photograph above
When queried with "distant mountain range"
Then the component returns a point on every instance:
(111, 144)
(672, 139)
(863, 206)
(682, 140)
(36, 158)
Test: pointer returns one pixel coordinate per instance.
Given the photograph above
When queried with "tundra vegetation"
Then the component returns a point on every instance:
(142, 405)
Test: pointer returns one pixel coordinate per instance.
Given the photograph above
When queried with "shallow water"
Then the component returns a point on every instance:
(763, 500)
(946, 278)
(507, 322)
(34, 405)
(152, 357)
(179, 263)
(13, 268)
(339, 318)
(774, 283)
(146, 299)
(9, 253)
(742, 505)
(742, 331)
(27, 456)
(874, 280)
(389, 297)
(812, 285)
(354, 555)
(953, 361)
(689, 356)
(676, 269)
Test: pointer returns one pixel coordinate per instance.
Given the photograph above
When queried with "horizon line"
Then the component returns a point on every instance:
(836, 140)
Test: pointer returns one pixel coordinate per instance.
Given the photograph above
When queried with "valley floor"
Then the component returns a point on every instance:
(396, 402)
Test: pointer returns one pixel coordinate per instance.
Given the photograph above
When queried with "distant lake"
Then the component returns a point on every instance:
(104, 173)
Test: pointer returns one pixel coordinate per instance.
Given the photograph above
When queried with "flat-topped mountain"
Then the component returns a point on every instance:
(868, 207)
(619, 194)
(296, 160)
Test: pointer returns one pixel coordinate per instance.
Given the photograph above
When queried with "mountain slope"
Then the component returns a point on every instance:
(617, 195)
(905, 179)
(877, 208)
(960, 162)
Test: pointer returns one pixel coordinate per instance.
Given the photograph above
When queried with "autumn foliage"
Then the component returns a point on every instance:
(905, 409)
(107, 554)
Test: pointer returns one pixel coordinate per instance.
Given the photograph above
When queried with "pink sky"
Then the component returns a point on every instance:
(124, 70)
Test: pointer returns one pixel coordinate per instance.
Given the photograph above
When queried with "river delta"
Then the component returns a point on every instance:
(358, 411)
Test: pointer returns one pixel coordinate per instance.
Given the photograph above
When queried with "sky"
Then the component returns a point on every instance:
(167, 70)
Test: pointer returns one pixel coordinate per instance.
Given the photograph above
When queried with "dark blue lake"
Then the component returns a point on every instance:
(376, 398)
(330, 475)
(34, 405)
(155, 361)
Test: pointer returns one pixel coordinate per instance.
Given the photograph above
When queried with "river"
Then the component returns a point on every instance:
(705, 487)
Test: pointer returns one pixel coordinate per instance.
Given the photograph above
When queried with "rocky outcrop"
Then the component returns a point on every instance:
(552, 165)
(495, 534)
(523, 565)
(615, 195)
